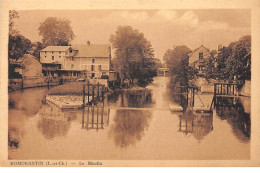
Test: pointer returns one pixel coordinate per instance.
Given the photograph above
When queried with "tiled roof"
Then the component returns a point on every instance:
(92, 50)
(56, 48)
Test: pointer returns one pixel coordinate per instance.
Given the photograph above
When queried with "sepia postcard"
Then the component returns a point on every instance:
(129, 83)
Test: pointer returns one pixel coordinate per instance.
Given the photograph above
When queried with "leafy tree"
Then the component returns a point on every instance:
(36, 48)
(18, 45)
(235, 60)
(134, 55)
(56, 32)
(177, 60)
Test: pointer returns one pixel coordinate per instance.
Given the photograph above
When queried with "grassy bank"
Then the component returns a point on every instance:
(72, 88)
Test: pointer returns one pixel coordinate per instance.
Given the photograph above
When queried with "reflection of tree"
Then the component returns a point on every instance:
(30, 100)
(137, 98)
(239, 120)
(199, 125)
(178, 93)
(129, 126)
(54, 122)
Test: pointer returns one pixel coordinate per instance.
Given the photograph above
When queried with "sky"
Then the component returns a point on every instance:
(164, 28)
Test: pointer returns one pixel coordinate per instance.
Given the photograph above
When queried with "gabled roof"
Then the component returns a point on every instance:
(200, 47)
(92, 50)
(56, 48)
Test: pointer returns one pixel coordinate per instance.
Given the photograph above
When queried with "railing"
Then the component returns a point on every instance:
(94, 93)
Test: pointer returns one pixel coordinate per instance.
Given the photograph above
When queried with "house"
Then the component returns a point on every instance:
(78, 60)
(52, 59)
(198, 58)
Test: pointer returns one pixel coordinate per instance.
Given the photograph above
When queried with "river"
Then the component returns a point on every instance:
(133, 125)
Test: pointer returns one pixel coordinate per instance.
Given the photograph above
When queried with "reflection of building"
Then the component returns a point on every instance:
(76, 60)
(199, 125)
(198, 58)
(54, 122)
(95, 118)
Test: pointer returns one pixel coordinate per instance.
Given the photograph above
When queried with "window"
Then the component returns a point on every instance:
(201, 68)
(92, 67)
(59, 56)
(99, 67)
(72, 66)
(52, 57)
(93, 60)
(70, 50)
(200, 55)
(59, 52)
(45, 56)
(52, 52)
(72, 58)
(93, 75)
(45, 52)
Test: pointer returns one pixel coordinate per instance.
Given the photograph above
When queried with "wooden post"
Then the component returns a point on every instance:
(233, 89)
(88, 92)
(214, 89)
(83, 117)
(83, 96)
(102, 111)
(227, 89)
(221, 90)
(87, 118)
(93, 94)
(98, 91)
(92, 121)
(102, 95)
(192, 97)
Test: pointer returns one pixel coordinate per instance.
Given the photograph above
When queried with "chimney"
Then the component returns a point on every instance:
(88, 42)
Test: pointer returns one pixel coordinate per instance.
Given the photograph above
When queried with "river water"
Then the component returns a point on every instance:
(132, 125)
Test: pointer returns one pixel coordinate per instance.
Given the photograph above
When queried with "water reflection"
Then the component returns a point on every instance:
(129, 127)
(27, 101)
(54, 122)
(95, 118)
(136, 98)
(232, 110)
(197, 124)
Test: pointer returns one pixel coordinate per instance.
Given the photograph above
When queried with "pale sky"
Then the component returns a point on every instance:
(164, 28)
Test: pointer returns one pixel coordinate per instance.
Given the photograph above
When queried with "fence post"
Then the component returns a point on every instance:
(83, 96)
(88, 92)
(93, 94)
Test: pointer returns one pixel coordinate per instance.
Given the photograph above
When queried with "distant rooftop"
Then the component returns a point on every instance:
(56, 48)
(84, 50)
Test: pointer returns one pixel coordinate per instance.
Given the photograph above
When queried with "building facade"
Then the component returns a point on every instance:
(198, 58)
(79, 60)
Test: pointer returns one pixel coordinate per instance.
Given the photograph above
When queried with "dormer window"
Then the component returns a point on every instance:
(70, 50)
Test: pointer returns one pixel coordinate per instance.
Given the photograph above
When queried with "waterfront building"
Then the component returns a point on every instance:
(78, 60)
(198, 58)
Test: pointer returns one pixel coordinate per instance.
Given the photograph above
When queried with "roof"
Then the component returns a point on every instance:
(56, 48)
(92, 50)
(200, 47)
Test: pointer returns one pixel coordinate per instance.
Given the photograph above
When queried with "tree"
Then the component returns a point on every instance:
(134, 54)
(177, 60)
(18, 45)
(235, 60)
(56, 32)
(36, 48)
